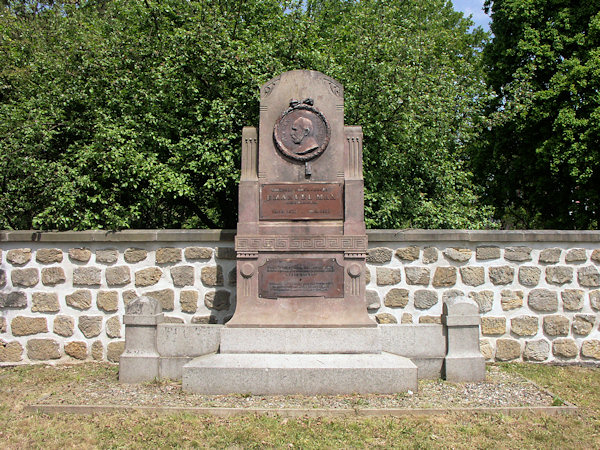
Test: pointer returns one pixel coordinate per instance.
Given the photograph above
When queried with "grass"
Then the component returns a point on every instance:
(23, 385)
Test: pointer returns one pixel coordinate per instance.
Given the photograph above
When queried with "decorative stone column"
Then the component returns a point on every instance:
(464, 361)
(140, 361)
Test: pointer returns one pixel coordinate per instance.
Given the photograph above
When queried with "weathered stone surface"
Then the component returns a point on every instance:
(591, 349)
(576, 255)
(550, 255)
(572, 299)
(18, 256)
(172, 319)
(487, 253)
(188, 301)
(485, 300)
(529, 276)
(204, 319)
(583, 324)
(396, 298)
(43, 349)
(212, 275)
(425, 299)
(524, 325)
(444, 277)
(147, 277)
(225, 253)
(25, 326)
(493, 325)
(166, 297)
(588, 276)
(386, 276)
(49, 255)
(64, 326)
(385, 318)
(537, 350)
(486, 349)
(232, 277)
(113, 327)
(472, 275)
(107, 301)
(564, 348)
(182, 276)
(217, 300)
(367, 275)
(517, 254)
(135, 255)
(430, 319)
(417, 275)
(543, 300)
(10, 351)
(51, 276)
(81, 299)
(511, 299)
(90, 326)
(373, 300)
(86, 276)
(408, 253)
(596, 255)
(44, 302)
(556, 325)
(25, 277)
(198, 253)
(114, 350)
(559, 274)
(80, 254)
(76, 349)
(507, 349)
(501, 275)
(379, 255)
(430, 255)
(107, 256)
(2, 278)
(450, 294)
(129, 296)
(594, 299)
(97, 351)
(13, 300)
(168, 255)
(118, 276)
(3, 324)
(406, 318)
(458, 254)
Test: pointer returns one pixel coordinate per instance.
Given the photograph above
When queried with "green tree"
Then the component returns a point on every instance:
(540, 157)
(128, 114)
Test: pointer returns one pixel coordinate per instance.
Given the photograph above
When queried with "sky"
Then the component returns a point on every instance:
(474, 7)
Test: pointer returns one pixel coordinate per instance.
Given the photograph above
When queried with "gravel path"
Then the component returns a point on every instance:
(500, 389)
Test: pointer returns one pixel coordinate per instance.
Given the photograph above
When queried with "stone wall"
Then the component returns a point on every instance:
(63, 295)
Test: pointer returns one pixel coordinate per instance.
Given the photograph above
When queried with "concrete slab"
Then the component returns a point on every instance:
(300, 340)
(273, 374)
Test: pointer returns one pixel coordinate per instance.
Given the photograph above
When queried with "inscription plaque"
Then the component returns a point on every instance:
(301, 201)
(300, 277)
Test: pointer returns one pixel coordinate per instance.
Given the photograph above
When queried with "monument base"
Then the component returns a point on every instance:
(308, 374)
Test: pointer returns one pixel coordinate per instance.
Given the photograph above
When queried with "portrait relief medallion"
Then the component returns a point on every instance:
(302, 132)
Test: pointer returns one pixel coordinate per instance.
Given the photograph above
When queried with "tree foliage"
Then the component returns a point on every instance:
(540, 158)
(128, 114)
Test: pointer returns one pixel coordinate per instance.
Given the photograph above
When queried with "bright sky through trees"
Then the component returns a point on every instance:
(474, 7)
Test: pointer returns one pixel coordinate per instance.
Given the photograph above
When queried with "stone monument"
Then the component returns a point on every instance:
(300, 324)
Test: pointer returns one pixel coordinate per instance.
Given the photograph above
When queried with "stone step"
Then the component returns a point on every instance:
(309, 374)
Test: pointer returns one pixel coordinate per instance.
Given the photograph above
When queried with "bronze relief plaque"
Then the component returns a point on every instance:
(302, 132)
(301, 277)
(301, 201)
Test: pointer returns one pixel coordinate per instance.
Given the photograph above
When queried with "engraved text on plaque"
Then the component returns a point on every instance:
(300, 277)
(298, 201)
